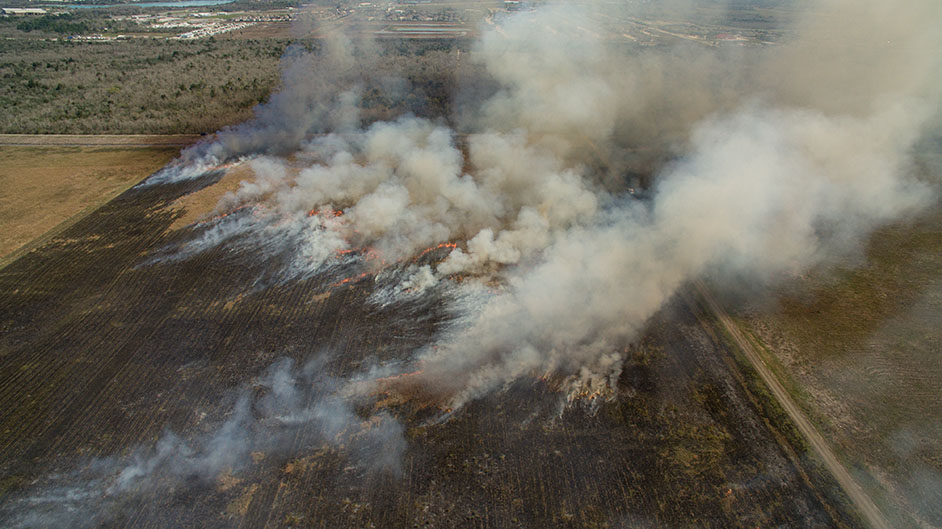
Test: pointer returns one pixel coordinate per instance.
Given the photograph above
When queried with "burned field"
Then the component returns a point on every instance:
(114, 366)
(428, 288)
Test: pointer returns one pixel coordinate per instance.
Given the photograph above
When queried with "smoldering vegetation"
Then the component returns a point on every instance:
(254, 392)
(264, 419)
(103, 359)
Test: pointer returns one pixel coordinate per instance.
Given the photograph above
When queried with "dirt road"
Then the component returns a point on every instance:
(861, 500)
(99, 140)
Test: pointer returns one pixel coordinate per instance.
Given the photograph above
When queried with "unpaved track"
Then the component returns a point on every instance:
(861, 500)
(99, 140)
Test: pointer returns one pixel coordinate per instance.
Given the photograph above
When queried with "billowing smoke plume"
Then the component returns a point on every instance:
(316, 96)
(762, 194)
(758, 163)
(778, 159)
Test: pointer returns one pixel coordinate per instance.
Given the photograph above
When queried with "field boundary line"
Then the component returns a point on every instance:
(98, 140)
(51, 233)
(861, 500)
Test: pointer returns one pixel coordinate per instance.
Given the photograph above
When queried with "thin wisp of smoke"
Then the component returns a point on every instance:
(268, 417)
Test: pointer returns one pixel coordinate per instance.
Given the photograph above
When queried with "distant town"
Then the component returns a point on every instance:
(198, 19)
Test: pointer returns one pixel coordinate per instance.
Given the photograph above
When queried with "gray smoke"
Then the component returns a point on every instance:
(763, 162)
(783, 158)
(268, 418)
(763, 194)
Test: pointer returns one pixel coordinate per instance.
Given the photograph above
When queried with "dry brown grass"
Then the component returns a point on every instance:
(44, 187)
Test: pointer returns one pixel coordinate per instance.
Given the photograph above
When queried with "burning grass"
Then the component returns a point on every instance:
(651, 450)
(200, 205)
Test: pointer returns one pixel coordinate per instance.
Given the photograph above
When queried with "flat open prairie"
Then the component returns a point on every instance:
(860, 350)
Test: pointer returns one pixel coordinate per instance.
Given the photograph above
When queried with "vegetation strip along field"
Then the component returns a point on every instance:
(99, 140)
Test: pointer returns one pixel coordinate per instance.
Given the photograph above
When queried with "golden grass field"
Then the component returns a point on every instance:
(43, 188)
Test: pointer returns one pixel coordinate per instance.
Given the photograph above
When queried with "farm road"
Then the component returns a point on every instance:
(98, 140)
(861, 500)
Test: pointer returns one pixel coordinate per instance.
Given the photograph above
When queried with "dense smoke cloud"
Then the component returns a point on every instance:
(316, 96)
(762, 194)
(780, 159)
(783, 158)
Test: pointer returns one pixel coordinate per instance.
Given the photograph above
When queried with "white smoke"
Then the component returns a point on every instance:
(781, 159)
(763, 194)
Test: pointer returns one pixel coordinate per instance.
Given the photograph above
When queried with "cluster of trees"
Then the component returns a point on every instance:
(256, 5)
(74, 23)
(138, 86)
(150, 86)
(64, 23)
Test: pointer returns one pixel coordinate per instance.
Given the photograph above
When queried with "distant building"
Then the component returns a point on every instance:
(22, 11)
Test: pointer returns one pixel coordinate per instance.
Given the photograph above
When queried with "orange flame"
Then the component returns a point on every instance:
(222, 215)
(433, 248)
(333, 213)
(350, 279)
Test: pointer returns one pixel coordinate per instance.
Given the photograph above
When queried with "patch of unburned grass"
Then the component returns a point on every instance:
(43, 187)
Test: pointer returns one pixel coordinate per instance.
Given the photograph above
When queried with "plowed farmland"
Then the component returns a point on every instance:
(104, 350)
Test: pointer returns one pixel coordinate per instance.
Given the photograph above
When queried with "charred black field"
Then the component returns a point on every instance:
(104, 353)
